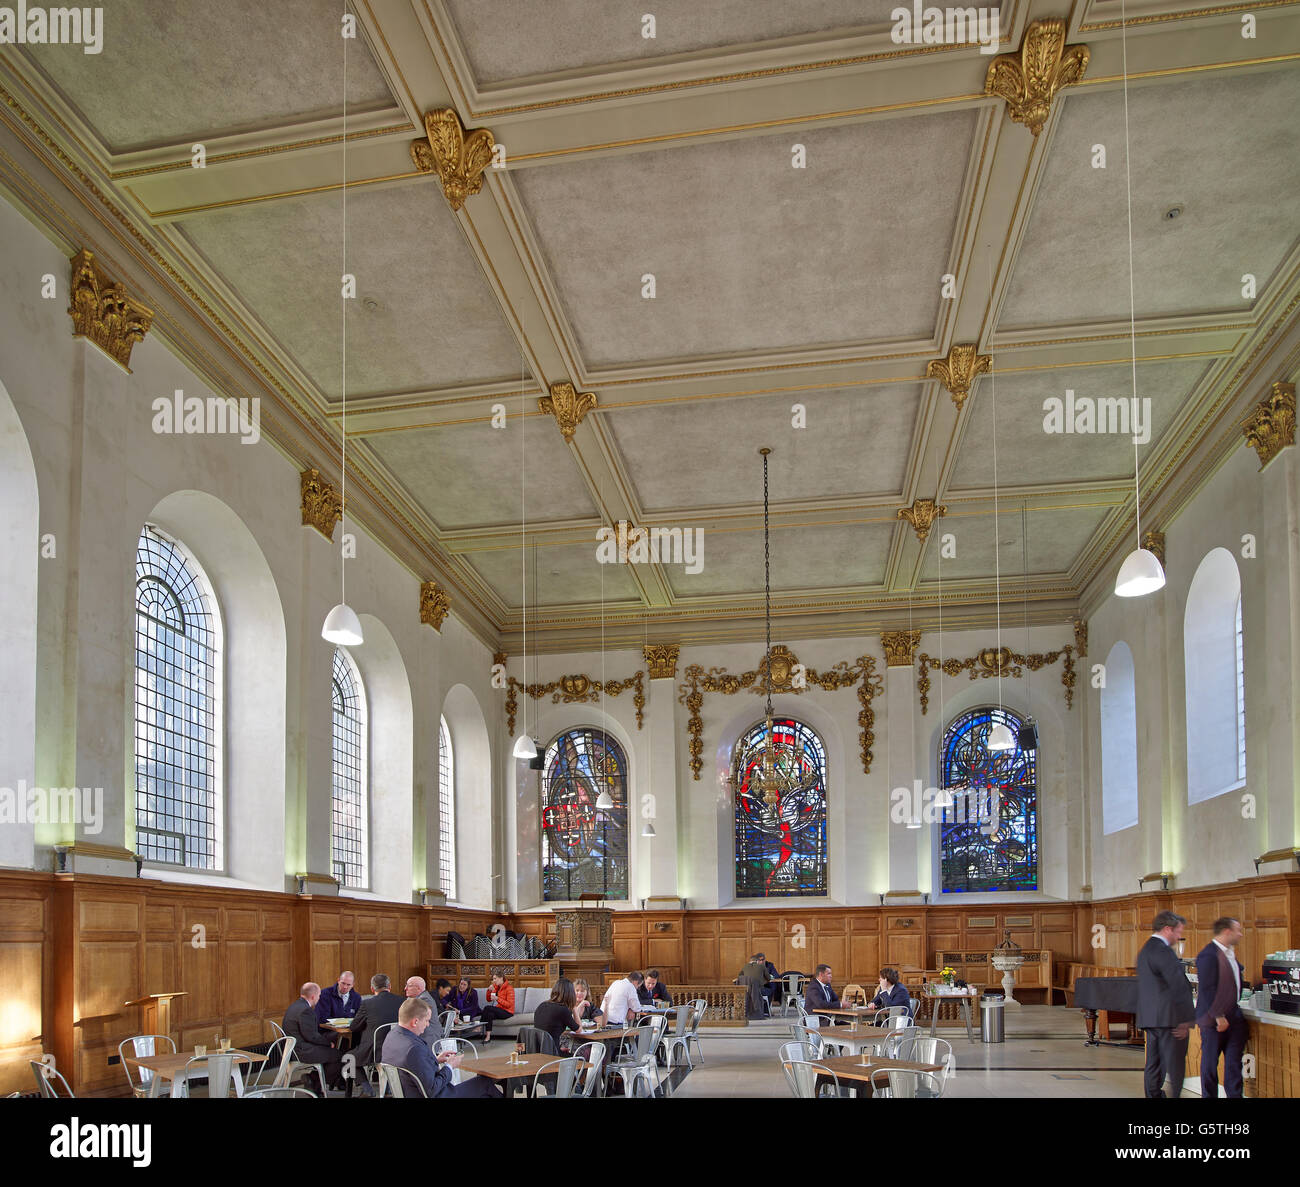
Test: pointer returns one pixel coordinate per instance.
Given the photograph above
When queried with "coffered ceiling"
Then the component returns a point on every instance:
(793, 307)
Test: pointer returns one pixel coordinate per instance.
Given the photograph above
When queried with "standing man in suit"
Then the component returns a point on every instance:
(1223, 1026)
(754, 977)
(1165, 1007)
(374, 1012)
(312, 1046)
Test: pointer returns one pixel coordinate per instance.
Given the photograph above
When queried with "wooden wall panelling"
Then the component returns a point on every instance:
(26, 954)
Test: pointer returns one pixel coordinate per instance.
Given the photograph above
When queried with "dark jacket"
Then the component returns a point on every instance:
(660, 994)
(300, 1023)
(332, 1004)
(374, 1012)
(404, 1049)
(1164, 992)
(466, 1003)
(1216, 996)
(896, 996)
(820, 997)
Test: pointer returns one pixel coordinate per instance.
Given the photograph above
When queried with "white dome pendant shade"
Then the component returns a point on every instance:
(525, 747)
(342, 627)
(1001, 737)
(1140, 574)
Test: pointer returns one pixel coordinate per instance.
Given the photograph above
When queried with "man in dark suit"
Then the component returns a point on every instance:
(374, 1012)
(1165, 1008)
(312, 1046)
(819, 995)
(1223, 1026)
(892, 993)
(404, 1046)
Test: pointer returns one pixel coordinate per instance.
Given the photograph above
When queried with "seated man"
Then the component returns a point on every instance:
(405, 1047)
(892, 993)
(754, 977)
(338, 1001)
(622, 1001)
(819, 995)
(417, 987)
(770, 977)
(312, 1046)
(374, 1012)
(654, 991)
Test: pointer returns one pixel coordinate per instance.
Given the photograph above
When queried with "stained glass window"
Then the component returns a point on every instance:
(446, 811)
(781, 828)
(348, 839)
(584, 847)
(177, 708)
(988, 836)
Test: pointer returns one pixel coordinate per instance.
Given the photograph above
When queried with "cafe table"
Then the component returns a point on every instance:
(965, 996)
(171, 1065)
(851, 1068)
(501, 1069)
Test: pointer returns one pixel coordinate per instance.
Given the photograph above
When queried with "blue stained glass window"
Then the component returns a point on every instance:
(781, 830)
(988, 837)
(584, 847)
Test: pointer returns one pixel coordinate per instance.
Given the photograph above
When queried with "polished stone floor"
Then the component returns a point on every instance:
(1043, 1056)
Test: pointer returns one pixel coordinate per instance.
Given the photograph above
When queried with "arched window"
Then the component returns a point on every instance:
(1119, 766)
(781, 815)
(1215, 671)
(988, 837)
(178, 803)
(584, 846)
(446, 811)
(350, 837)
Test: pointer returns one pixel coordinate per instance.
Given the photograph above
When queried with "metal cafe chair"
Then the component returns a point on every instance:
(903, 1084)
(802, 1076)
(283, 1093)
(561, 1078)
(49, 1079)
(593, 1079)
(142, 1046)
(280, 1056)
(391, 1082)
(219, 1070)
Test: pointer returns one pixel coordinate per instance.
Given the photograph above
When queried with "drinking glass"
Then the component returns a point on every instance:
(200, 1050)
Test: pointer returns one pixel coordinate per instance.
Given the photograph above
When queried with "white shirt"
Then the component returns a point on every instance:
(620, 998)
(1236, 973)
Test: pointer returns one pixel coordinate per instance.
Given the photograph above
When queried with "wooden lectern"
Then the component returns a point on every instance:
(584, 942)
(156, 1012)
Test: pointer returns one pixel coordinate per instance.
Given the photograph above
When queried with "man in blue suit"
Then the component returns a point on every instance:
(1223, 1026)
(892, 993)
(404, 1047)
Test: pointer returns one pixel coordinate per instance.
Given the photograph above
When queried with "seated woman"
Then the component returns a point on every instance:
(892, 993)
(584, 1009)
(464, 1000)
(555, 1017)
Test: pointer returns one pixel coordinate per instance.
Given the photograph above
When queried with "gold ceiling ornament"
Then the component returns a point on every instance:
(921, 515)
(957, 370)
(573, 689)
(997, 662)
(435, 602)
(499, 657)
(568, 406)
(900, 647)
(661, 660)
(1080, 635)
(103, 312)
(1029, 81)
(862, 673)
(459, 159)
(321, 506)
(1154, 541)
(1270, 428)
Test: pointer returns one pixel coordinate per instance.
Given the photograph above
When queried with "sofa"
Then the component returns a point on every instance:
(526, 1001)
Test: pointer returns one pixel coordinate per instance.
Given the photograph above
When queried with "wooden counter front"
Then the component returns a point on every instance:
(1274, 1046)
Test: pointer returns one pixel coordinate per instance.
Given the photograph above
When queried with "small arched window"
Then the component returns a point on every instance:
(446, 811)
(584, 844)
(178, 802)
(349, 838)
(1215, 674)
(1119, 766)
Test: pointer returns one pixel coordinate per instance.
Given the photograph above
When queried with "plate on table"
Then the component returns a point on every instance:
(339, 1021)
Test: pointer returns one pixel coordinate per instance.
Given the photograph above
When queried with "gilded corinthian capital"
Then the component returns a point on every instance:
(1029, 81)
(1271, 426)
(434, 604)
(321, 505)
(104, 313)
(459, 158)
(661, 659)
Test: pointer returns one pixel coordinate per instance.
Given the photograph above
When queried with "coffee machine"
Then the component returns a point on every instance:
(1282, 979)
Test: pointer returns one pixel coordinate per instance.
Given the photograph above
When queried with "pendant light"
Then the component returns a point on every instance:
(945, 799)
(768, 785)
(604, 801)
(1141, 573)
(525, 747)
(342, 627)
(1000, 737)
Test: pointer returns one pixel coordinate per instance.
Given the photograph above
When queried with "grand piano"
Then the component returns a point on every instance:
(1117, 998)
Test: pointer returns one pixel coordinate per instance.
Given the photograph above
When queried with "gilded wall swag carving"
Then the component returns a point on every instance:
(1270, 428)
(321, 506)
(103, 312)
(661, 660)
(921, 515)
(1081, 633)
(1028, 81)
(568, 406)
(573, 689)
(957, 370)
(900, 647)
(862, 672)
(1154, 541)
(992, 661)
(435, 602)
(458, 158)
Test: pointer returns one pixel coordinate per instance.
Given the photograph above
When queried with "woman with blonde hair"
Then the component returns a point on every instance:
(584, 1008)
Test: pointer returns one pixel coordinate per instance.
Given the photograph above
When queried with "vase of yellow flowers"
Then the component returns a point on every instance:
(948, 974)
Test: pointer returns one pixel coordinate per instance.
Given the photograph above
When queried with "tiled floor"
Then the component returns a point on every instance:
(1043, 1055)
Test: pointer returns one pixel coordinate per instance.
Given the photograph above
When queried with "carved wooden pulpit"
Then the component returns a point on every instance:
(156, 1012)
(584, 942)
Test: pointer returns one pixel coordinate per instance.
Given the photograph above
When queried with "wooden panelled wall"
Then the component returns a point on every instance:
(75, 948)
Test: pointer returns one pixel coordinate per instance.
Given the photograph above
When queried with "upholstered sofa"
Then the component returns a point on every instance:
(526, 1001)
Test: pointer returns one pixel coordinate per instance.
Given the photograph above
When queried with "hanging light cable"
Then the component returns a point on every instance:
(945, 798)
(525, 747)
(1141, 573)
(342, 627)
(605, 801)
(767, 781)
(1000, 737)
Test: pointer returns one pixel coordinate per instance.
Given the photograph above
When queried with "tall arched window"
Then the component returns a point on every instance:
(350, 836)
(1215, 671)
(1119, 766)
(781, 818)
(584, 845)
(446, 811)
(988, 837)
(178, 803)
